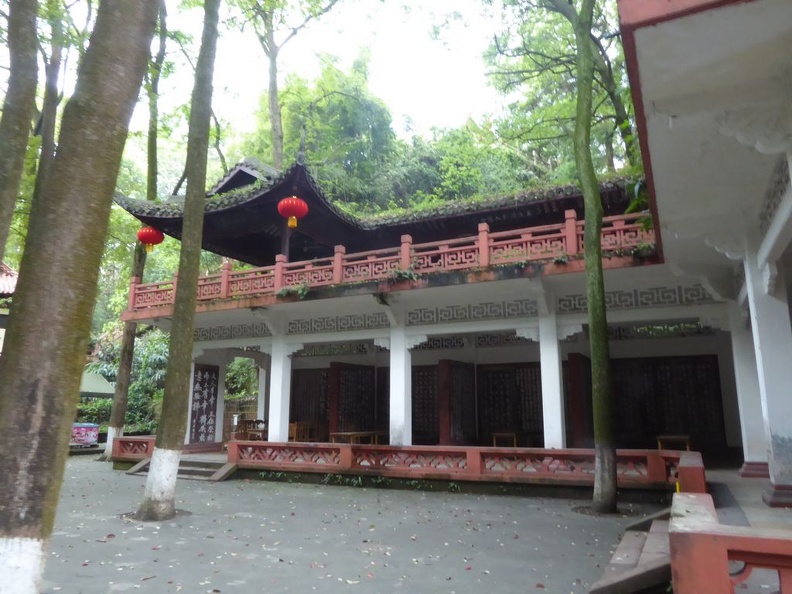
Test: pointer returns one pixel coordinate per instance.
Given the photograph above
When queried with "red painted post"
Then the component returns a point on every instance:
(474, 465)
(405, 259)
(570, 232)
(280, 260)
(233, 452)
(483, 244)
(338, 264)
(132, 292)
(225, 274)
(173, 287)
(656, 468)
(345, 458)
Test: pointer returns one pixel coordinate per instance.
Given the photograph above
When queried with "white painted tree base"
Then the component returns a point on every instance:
(21, 565)
(112, 433)
(159, 498)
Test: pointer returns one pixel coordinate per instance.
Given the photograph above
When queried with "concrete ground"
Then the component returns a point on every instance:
(256, 536)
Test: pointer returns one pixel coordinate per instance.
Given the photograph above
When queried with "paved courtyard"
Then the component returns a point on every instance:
(256, 536)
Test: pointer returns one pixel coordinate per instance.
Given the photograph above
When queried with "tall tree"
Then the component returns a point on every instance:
(276, 22)
(602, 398)
(18, 106)
(159, 500)
(121, 393)
(45, 344)
(538, 52)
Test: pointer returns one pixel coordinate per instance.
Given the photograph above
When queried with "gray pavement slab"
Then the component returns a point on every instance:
(258, 536)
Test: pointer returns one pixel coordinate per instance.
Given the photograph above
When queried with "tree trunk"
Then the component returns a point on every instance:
(115, 427)
(605, 457)
(274, 106)
(159, 500)
(18, 106)
(49, 110)
(47, 337)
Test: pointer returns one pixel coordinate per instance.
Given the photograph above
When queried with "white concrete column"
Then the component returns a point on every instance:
(772, 334)
(280, 388)
(262, 404)
(552, 382)
(749, 400)
(401, 384)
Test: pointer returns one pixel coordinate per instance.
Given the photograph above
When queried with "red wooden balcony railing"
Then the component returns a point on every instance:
(533, 244)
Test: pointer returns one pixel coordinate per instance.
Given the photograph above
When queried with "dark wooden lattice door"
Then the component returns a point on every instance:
(352, 395)
(498, 400)
(309, 399)
(668, 395)
(203, 414)
(457, 402)
(425, 416)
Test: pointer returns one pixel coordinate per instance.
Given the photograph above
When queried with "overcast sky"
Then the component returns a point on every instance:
(434, 83)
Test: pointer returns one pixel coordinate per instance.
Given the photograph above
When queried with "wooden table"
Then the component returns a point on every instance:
(357, 437)
(507, 436)
(662, 440)
(257, 434)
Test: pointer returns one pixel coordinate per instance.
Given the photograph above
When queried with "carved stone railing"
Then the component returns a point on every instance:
(534, 244)
(635, 468)
(133, 449)
(702, 549)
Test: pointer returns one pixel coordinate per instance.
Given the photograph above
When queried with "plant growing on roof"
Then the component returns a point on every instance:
(299, 290)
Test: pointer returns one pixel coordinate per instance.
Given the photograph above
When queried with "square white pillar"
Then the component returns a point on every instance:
(749, 400)
(262, 403)
(401, 386)
(280, 389)
(772, 334)
(552, 382)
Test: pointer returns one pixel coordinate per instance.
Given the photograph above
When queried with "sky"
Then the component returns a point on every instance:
(428, 82)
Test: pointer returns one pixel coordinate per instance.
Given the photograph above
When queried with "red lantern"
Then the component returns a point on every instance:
(149, 236)
(293, 208)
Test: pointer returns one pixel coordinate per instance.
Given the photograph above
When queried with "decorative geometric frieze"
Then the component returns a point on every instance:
(530, 333)
(676, 330)
(413, 341)
(485, 341)
(370, 321)
(442, 342)
(779, 182)
(231, 332)
(492, 310)
(569, 331)
(382, 343)
(637, 298)
(333, 349)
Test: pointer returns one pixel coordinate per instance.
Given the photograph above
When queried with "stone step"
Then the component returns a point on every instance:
(196, 470)
(641, 561)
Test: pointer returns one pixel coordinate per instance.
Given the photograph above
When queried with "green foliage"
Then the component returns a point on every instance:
(241, 379)
(148, 375)
(301, 291)
(94, 410)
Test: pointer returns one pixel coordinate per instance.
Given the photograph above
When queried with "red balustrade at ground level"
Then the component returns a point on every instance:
(704, 552)
(635, 468)
(548, 243)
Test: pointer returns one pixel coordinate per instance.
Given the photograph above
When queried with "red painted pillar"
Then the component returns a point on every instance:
(224, 278)
(338, 264)
(133, 292)
(280, 260)
(405, 256)
(483, 244)
(570, 232)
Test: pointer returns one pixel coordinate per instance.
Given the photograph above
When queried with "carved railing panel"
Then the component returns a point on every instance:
(532, 244)
(133, 448)
(635, 468)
